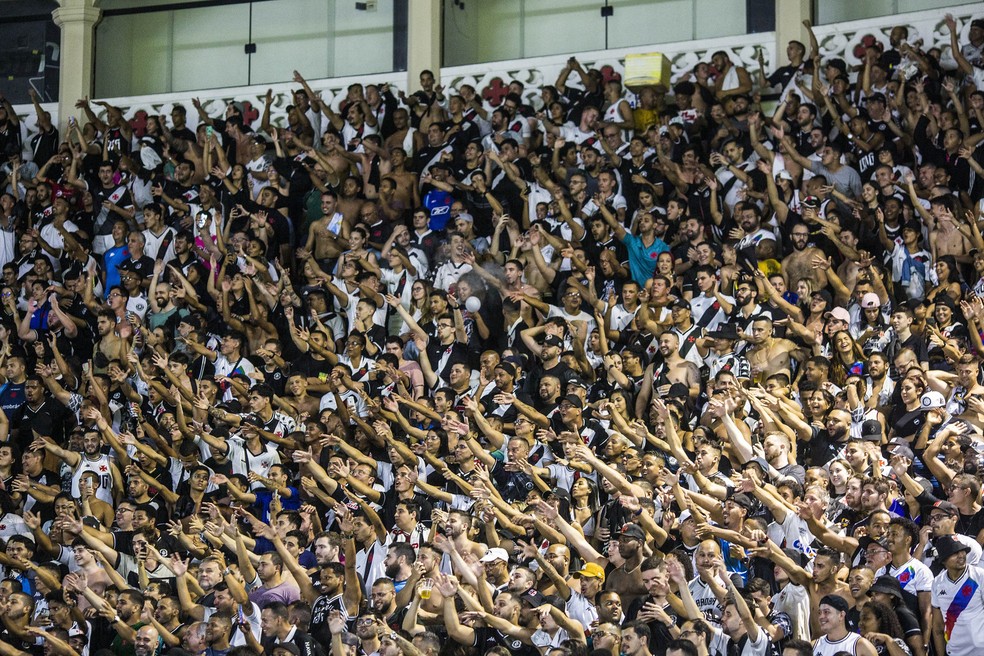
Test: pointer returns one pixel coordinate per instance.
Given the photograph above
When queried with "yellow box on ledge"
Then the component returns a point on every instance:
(647, 69)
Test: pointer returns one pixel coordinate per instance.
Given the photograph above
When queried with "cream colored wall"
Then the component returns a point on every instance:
(189, 49)
(494, 30)
(833, 11)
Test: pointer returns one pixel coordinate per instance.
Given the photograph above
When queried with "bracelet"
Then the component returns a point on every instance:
(226, 572)
(638, 512)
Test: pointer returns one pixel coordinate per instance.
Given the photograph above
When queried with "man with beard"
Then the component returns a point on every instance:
(459, 527)
(555, 569)
(626, 580)
(382, 601)
(217, 631)
(660, 376)
(90, 460)
(824, 443)
(768, 355)
(428, 566)
(277, 630)
(166, 619)
(179, 193)
(398, 563)
(114, 200)
(147, 641)
(501, 627)
(685, 253)
(799, 263)
(756, 243)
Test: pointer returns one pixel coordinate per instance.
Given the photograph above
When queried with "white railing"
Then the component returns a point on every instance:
(836, 40)
(539, 71)
(533, 72)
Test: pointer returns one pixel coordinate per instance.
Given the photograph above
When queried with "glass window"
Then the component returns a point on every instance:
(203, 48)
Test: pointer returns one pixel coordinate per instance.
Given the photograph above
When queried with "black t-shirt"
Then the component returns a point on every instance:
(822, 447)
(143, 266)
(487, 638)
(660, 633)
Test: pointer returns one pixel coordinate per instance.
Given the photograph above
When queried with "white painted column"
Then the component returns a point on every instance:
(424, 37)
(790, 15)
(77, 20)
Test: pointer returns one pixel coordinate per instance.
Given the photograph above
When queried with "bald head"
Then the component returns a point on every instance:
(146, 641)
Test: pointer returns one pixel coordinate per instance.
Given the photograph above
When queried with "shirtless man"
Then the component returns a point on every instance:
(799, 263)
(334, 158)
(325, 236)
(349, 202)
(296, 400)
(674, 369)
(407, 193)
(404, 137)
(768, 355)
(825, 567)
(110, 344)
(947, 239)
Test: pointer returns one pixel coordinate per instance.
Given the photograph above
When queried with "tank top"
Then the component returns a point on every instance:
(101, 468)
(824, 647)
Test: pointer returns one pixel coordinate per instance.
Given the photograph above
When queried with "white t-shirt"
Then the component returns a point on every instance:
(913, 576)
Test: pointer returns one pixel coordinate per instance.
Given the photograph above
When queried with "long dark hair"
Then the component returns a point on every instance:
(888, 623)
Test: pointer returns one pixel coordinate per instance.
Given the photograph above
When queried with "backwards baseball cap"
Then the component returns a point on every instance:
(839, 313)
(946, 507)
(632, 531)
(825, 296)
(680, 303)
(870, 300)
(899, 447)
(508, 367)
(590, 571)
(836, 602)
(811, 201)
(931, 400)
(743, 500)
(494, 554)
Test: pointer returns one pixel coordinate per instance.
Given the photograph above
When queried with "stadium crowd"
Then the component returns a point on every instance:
(619, 373)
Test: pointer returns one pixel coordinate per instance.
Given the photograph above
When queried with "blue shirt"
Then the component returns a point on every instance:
(12, 397)
(111, 259)
(438, 203)
(642, 259)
